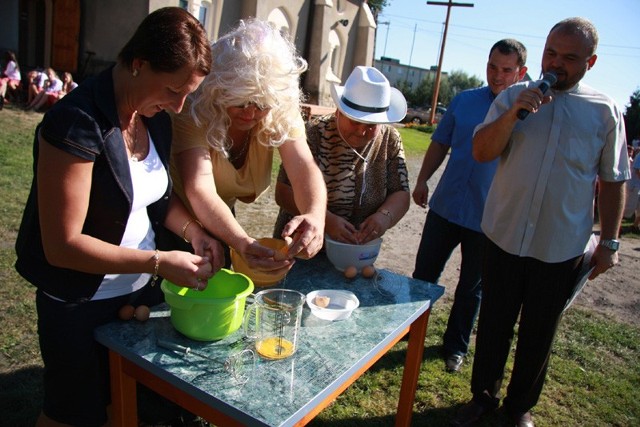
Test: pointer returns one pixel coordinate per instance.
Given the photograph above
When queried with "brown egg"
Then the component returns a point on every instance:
(350, 272)
(142, 313)
(368, 271)
(283, 253)
(126, 312)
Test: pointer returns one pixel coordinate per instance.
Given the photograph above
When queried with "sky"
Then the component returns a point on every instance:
(415, 29)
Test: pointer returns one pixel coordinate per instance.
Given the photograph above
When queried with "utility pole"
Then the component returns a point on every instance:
(386, 39)
(436, 88)
(415, 28)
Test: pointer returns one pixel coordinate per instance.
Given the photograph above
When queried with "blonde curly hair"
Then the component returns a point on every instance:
(253, 63)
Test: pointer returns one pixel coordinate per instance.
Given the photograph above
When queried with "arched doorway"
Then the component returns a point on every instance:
(49, 34)
(65, 32)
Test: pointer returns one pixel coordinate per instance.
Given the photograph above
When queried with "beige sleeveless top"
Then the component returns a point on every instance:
(245, 184)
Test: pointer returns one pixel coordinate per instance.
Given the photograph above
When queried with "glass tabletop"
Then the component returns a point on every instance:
(227, 374)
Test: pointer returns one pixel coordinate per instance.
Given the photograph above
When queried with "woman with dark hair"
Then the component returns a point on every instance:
(101, 192)
(10, 77)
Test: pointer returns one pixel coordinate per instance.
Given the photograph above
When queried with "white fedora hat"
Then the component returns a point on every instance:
(368, 97)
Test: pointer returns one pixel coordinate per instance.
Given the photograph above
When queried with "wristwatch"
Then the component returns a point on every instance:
(610, 244)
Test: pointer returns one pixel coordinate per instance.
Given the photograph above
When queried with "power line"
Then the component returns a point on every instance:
(488, 30)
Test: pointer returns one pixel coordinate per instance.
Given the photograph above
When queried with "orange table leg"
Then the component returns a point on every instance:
(415, 350)
(124, 406)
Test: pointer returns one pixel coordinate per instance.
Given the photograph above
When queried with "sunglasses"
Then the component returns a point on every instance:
(248, 105)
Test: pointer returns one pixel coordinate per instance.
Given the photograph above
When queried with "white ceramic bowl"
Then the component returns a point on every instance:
(341, 304)
(343, 255)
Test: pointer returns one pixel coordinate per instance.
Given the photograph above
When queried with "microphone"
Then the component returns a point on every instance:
(548, 80)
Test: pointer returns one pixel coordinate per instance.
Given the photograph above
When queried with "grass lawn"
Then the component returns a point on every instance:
(414, 141)
(594, 379)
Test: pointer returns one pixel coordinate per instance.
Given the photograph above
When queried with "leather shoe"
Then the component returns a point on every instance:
(469, 414)
(453, 362)
(523, 420)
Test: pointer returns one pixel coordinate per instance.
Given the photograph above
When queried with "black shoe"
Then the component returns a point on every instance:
(469, 414)
(520, 419)
(453, 362)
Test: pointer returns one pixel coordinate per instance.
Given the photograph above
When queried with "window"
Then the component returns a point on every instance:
(335, 52)
(279, 19)
(202, 15)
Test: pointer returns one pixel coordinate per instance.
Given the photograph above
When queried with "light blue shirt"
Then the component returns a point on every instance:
(463, 187)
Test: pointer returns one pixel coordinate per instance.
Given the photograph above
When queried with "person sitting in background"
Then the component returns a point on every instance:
(50, 93)
(36, 80)
(10, 77)
(67, 84)
(361, 158)
(225, 138)
(100, 194)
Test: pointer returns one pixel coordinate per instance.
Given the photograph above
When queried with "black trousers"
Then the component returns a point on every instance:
(536, 291)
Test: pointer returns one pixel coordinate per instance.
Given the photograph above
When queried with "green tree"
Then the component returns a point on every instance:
(376, 7)
(459, 81)
(632, 117)
(421, 96)
(450, 85)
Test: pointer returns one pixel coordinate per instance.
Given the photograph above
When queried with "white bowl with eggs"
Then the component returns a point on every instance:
(332, 304)
(344, 255)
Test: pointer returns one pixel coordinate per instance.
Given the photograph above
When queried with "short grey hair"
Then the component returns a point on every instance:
(579, 26)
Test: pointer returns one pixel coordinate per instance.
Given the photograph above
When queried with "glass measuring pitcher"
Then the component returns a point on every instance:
(273, 320)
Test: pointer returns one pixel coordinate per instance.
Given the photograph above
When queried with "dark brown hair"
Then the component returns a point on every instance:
(11, 56)
(169, 38)
(509, 46)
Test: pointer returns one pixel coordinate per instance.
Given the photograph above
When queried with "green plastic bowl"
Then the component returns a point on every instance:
(213, 313)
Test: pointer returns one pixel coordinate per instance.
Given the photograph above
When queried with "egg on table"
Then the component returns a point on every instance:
(142, 313)
(350, 272)
(126, 312)
(368, 271)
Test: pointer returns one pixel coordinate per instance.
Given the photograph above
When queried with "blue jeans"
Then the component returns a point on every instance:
(439, 238)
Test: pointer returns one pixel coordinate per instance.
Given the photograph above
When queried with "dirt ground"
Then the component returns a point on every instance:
(616, 294)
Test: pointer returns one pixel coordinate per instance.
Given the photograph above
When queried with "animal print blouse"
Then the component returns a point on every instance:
(354, 191)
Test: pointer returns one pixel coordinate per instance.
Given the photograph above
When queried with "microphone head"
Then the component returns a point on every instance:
(550, 77)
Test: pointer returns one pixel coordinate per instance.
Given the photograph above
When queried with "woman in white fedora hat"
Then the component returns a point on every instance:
(361, 158)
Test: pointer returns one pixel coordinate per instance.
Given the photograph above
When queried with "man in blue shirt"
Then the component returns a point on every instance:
(458, 201)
